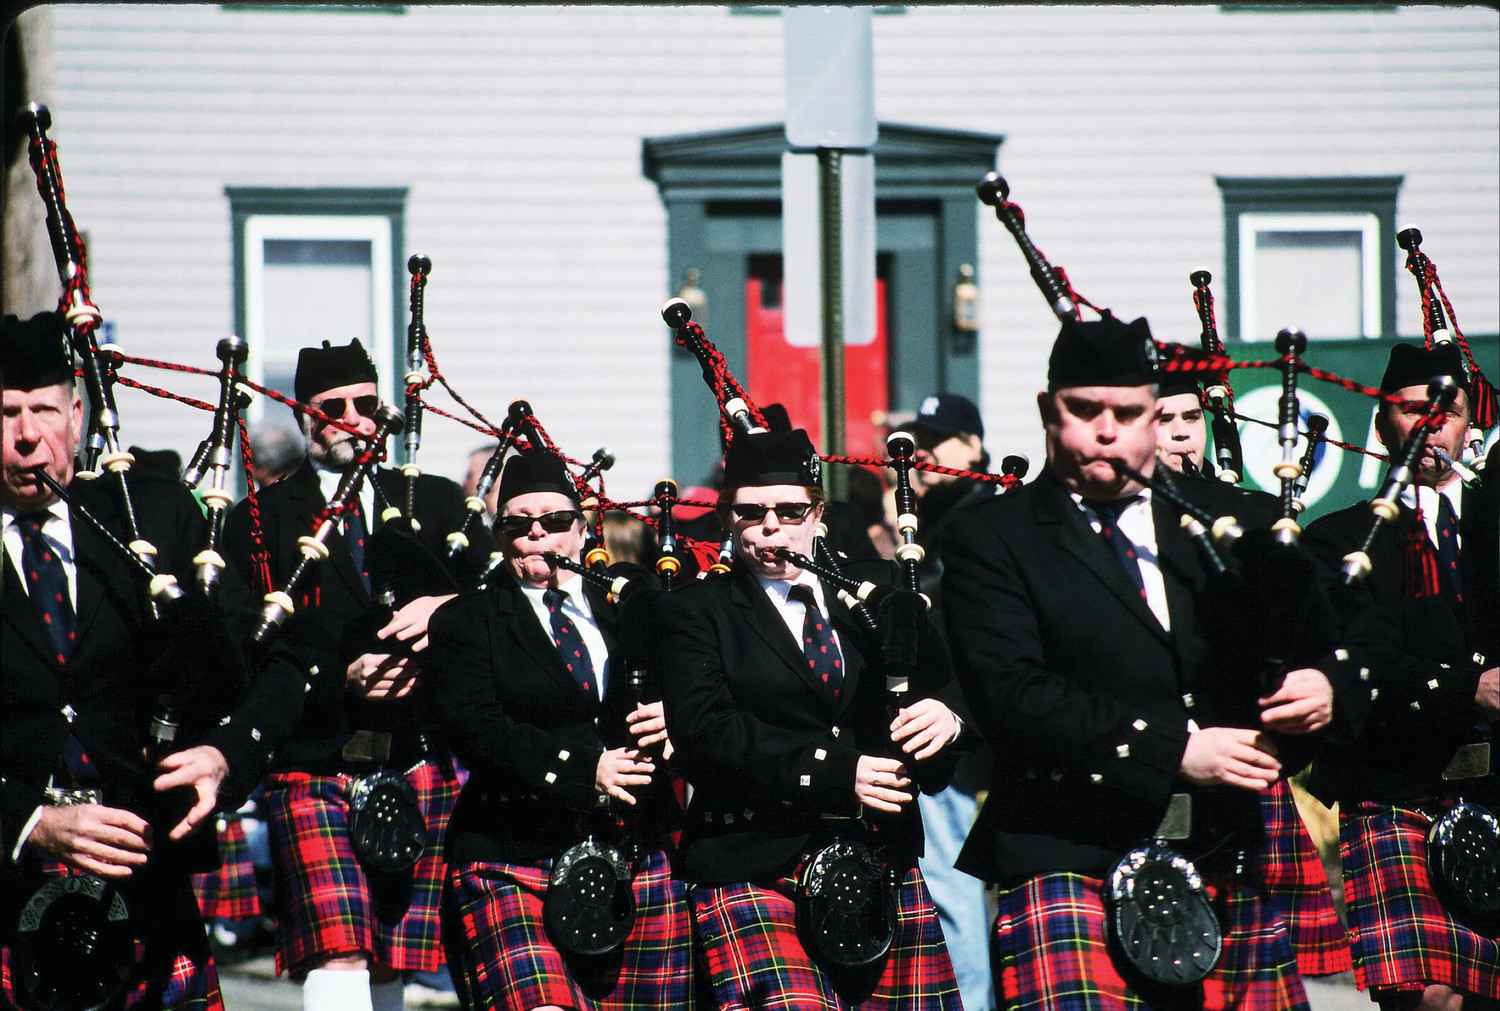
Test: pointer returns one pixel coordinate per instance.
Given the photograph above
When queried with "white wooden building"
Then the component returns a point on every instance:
(506, 143)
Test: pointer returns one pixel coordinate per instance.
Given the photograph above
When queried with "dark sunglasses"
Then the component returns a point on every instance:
(334, 407)
(786, 512)
(554, 523)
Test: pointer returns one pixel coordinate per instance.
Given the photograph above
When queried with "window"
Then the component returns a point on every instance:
(1319, 273)
(1312, 254)
(312, 266)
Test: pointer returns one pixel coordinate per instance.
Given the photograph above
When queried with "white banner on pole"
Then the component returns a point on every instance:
(801, 265)
(830, 77)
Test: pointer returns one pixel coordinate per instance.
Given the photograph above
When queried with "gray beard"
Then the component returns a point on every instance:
(338, 458)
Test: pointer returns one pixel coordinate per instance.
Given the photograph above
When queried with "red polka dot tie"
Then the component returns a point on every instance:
(47, 585)
(1447, 541)
(570, 644)
(354, 536)
(818, 644)
(1109, 528)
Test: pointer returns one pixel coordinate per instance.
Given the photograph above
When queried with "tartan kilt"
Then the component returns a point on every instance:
(1402, 937)
(174, 972)
(500, 955)
(748, 942)
(1050, 951)
(1293, 874)
(326, 904)
(229, 893)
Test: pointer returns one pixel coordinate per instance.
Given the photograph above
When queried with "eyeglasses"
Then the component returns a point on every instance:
(786, 512)
(554, 523)
(927, 439)
(334, 407)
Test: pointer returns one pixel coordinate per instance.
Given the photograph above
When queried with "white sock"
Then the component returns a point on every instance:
(337, 990)
(388, 996)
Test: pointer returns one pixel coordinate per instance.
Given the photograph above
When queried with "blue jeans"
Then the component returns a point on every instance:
(959, 897)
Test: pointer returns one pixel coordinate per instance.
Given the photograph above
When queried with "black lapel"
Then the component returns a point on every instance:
(1053, 506)
(388, 486)
(101, 571)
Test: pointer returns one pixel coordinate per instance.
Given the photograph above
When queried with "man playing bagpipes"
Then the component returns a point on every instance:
(358, 798)
(1079, 616)
(1417, 790)
(128, 716)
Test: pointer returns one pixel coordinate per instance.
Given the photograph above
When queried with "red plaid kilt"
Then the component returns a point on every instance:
(229, 893)
(1293, 874)
(1402, 937)
(747, 936)
(502, 957)
(1050, 951)
(327, 905)
(174, 972)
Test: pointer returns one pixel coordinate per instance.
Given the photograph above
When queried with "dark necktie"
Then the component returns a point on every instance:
(354, 536)
(1447, 541)
(818, 645)
(575, 654)
(47, 585)
(1109, 529)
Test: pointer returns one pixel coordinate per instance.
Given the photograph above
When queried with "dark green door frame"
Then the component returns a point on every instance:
(328, 201)
(707, 180)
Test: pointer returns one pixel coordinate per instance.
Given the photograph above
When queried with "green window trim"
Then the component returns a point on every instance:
(1371, 195)
(246, 202)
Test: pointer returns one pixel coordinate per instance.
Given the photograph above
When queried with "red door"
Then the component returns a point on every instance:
(777, 372)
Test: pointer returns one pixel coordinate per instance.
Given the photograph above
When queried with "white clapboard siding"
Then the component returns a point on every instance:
(518, 130)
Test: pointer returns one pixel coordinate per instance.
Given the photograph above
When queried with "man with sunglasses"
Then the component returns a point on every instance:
(780, 712)
(539, 699)
(344, 931)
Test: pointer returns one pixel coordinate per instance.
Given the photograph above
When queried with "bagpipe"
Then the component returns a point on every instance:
(589, 909)
(1217, 392)
(417, 348)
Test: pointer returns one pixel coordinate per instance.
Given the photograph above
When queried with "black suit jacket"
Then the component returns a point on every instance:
(1424, 654)
(768, 753)
(108, 680)
(1082, 693)
(528, 733)
(332, 595)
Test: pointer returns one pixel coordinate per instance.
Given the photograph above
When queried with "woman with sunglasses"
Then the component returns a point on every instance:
(539, 701)
(779, 714)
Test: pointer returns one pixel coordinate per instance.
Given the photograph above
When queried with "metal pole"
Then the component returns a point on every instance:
(831, 345)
